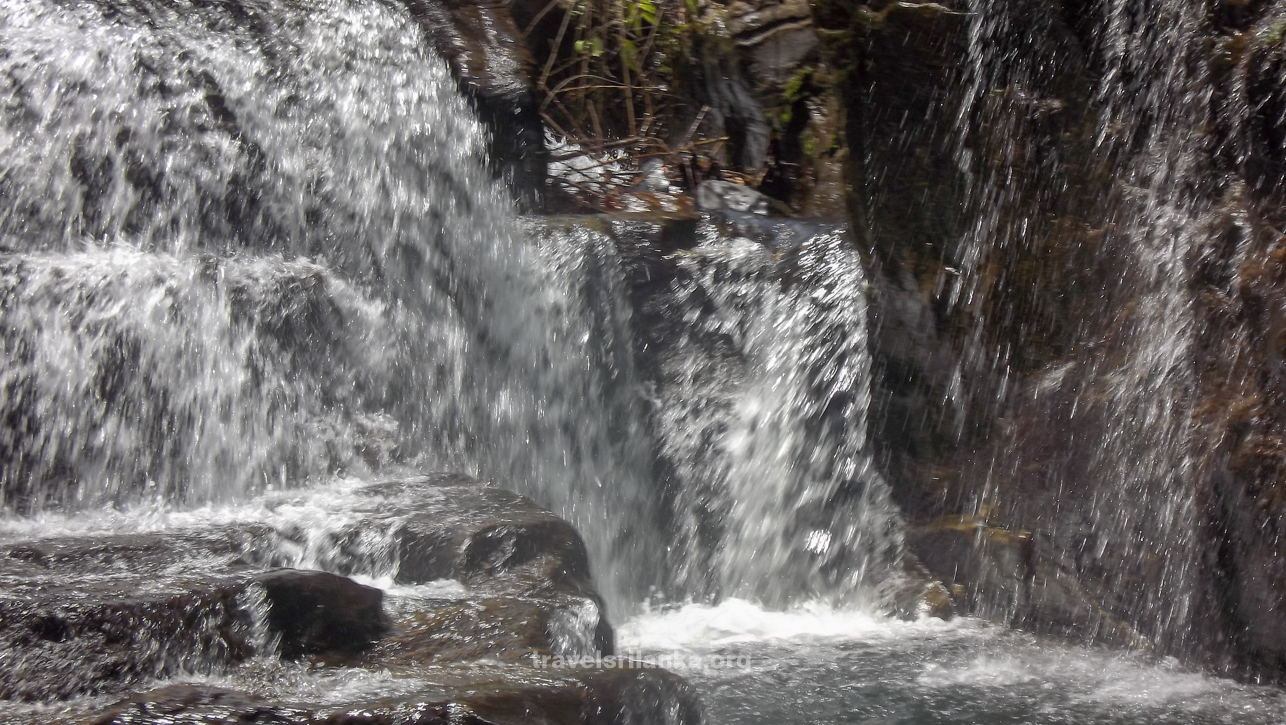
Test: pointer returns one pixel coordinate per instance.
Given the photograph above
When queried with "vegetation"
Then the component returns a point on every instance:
(607, 83)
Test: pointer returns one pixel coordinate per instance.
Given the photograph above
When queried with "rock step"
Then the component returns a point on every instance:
(490, 696)
(103, 615)
(65, 641)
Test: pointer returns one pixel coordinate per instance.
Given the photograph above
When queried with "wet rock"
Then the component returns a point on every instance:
(992, 570)
(181, 704)
(920, 593)
(499, 545)
(106, 634)
(92, 615)
(505, 629)
(118, 611)
(477, 534)
(490, 696)
(315, 612)
(946, 417)
(489, 56)
(718, 82)
(776, 39)
(727, 196)
(66, 641)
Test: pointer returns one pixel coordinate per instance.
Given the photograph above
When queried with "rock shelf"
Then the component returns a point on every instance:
(222, 624)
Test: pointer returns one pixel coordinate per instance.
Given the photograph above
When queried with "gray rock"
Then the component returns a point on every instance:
(727, 196)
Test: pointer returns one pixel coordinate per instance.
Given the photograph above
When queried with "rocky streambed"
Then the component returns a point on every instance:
(268, 612)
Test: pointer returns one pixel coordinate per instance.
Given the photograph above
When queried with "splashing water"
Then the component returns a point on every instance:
(764, 393)
(263, 251)
(251, 246)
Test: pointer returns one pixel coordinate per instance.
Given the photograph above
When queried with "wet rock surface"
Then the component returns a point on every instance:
(316, 612)
(497, 697)
(996, 362)
(488, 582)
(491, 61)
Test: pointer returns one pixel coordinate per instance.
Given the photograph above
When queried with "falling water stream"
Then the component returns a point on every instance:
(250, 259)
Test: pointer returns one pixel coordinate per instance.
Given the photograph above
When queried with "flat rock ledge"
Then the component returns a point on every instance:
(261, 623)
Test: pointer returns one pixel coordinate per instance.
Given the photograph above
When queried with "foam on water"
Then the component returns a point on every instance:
(701, 627)
(326, 505)
(815, 663)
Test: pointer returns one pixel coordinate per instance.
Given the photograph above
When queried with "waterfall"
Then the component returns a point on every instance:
(763, 388)
(741, 377)
(249, 246)
(253, 245)
(1147, 506)
(1114, 497)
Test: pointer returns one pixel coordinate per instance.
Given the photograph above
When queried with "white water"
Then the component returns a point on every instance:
(763, 391)
(816, 664)
(247, 248)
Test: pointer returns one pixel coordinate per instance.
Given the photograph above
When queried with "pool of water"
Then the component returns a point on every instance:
(816, 665)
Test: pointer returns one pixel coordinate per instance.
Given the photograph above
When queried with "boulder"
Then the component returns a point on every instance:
(726, 196)
(77, 633)
(315, 612)
(66, 641)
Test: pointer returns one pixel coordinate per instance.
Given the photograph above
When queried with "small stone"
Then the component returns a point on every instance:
(726, 196)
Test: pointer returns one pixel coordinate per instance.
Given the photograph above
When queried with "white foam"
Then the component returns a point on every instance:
(341, 497)
(436, 589)
(319, 685)
(1096, 677)
(700, 627)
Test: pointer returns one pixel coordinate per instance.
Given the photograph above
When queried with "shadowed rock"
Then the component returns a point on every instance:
(315, 612)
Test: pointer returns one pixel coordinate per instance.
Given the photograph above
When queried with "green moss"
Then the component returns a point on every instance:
(795, 88)
(1274, 33)
(809, 143)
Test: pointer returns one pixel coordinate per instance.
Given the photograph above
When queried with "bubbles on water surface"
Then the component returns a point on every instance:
(817, 664)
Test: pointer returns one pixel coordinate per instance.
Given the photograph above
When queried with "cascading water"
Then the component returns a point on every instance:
(262, 251)
(1123, 506)
(157, 231)
(744, 408)
(1145, 506)
(251, 266)
(762, 390)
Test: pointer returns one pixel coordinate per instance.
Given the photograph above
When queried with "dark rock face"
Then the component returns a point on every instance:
(1240, 278)
(316, 612)
(55, 648)
(105, 615)
(489, 56)
(1010, 211)
(82, 616)
(771, 92)
(985, 217)
(606, 697)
